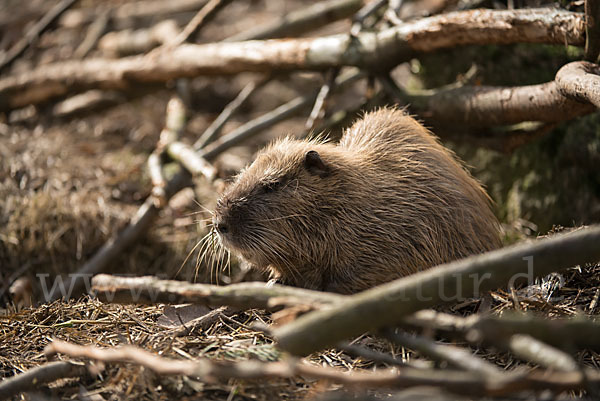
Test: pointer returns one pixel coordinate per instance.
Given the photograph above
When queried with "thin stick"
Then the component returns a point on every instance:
(369, 50)
(191, 160)
(455, 356)
(93, 34)
(279, 114)
(150, 290)
(39, 375)
(533, 350)
(215, 128)
(205, 14)
(34, 33)
(301, 21)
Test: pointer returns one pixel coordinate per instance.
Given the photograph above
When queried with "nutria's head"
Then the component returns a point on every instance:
(275, 212)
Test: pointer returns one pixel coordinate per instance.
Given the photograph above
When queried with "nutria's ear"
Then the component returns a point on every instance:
(315, 165)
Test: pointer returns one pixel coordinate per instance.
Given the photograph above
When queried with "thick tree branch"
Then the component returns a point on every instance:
(368, 50)
(580, 81)
(479, 106)
(387, 304)
(533, 350)
(567, 97)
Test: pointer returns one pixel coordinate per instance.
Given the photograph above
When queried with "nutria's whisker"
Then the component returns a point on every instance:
(285, 217)
(190, 253)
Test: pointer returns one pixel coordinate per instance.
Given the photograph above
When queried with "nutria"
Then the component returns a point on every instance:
(389, 200)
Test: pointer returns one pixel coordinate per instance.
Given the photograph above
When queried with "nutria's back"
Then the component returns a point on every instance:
(388, 201)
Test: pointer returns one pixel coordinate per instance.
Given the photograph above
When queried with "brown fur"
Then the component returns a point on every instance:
(386, 202)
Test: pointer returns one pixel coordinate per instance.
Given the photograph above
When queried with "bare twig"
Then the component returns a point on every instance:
(318, 107)
(457, 382)
(205, 14)
(580, 80)
(375, 356)
(34, 33)
(301, 21)
(483, 106)
(369, 9)
(127, 42)
(533, 350)
(246, 295)
(389, 303)
(94, 32)
(457, 357)
(42, 374)
(87, 101)
(376, 51)
(215, 128)
(191, 160)
(131, 10)
(279, 114)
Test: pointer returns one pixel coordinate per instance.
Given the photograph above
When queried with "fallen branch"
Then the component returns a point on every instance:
(282, 112)
(149, 290)
(94, 32)
(387, 304)
(487, 106)
(484, 106)
(87, 101)
(217, 125)
(457, 382)
(191, 160)
(33, 378)
(127, 42)
(127, 11)
(298, 22)
(375, 51)
(456, 357)
(205, 14)
(533, 350)
(580, 80)
(34, 33)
